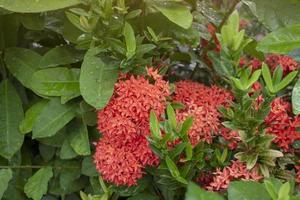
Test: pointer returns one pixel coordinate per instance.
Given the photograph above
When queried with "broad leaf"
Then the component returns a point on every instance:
(37, 185)
(61, 55)
(5, 177)
(97, 79)
(79, 138)
(59, 81)
(54, 116)
(129, 40)
(32, 6)
(176, 13)
(281, 41)
(22, 63)
(88, 167)
(247, 190)
(10, 117)
(66, 151)
(9, 26)
(194, 192)
(296, 98)
(31, 115)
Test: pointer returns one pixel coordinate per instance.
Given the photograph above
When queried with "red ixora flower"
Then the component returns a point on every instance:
(123, 151)
(282, 124)
(287, 63)
(202, 103)
(235, 171)
(298, 174)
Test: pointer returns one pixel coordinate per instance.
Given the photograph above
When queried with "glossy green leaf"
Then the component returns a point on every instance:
(171, 116)
(31, 115)
(286, 81)
(10, 117)
(267, 77)
(186, 125)
(284, 191)
(296, 98)
(271, 189)
(59, 81)
(5, 177)
(129, 40)
(194, 192)
(176, 13)
(61, 55)
(247, 190)
(22, 63)
(282, 41)
(66, 151)
(53, 117)
(154, 125)
(32, 6)
(37, 185)
(97, 79)
(172, 167)
(79, 138)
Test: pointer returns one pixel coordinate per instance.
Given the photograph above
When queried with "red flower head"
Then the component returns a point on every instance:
(287, 63)
(281, 124)
(124, 124)
(256, 64)
(202, 104)
(236, 171)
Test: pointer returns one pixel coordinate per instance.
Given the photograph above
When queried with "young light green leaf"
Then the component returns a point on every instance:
(176, 13)
(194, 192)
(58, 81)
(53, 117)
(129, 40)
(37, 185)
(97, 78)
(189, 151)
(154, 125)
(277, 75)
(271, 189)
(171, 117)
(22, 63)
(241, 190)
(286, 81)
(74, 19)
(267, 77)
(186, 125)
(5, 176)
(31, 115)
(284, 191)
(296, 98)
(255, 76)
(10, 117)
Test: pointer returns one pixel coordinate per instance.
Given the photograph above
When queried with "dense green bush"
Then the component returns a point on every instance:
(206, 91)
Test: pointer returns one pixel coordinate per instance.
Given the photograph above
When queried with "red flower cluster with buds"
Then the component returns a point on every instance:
(235, 171)
(287, 63)
(123, 151)
(282, 124)
(202, 103)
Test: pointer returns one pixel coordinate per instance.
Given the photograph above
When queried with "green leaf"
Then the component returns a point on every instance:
(75, 20)
(31, 115)
(255, 76)
(97, 79)
(145, 196)
(282, 41)
(22, 63)
(189, 151)
(277, 75)
(9, 26)
(61, 55)
(154, 125)
(247, 190)
(5, 176)
(296, 98)
(267, 77)
(88, 167)
(286, 81)
(194, 192)
(275, 13)
(54, 116)
(33, 6)
(171, 116)
(186, 125)
(271, 189)
(59, 81)
(37, 185)
(129, 40)
(172, 167)
(79, 138)
(284, 191)
(176, 13)
(66, 151)
(10, 117)
(33, 21)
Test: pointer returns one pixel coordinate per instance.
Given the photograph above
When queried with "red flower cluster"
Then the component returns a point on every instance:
(281, 124)
(287, 63)
(236, 170)
(123, 151)
(202, 103)
(232, 137)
